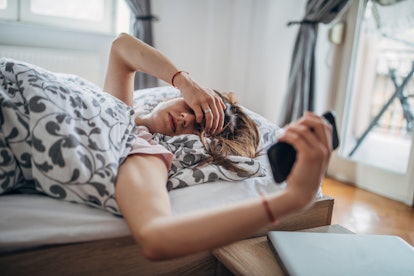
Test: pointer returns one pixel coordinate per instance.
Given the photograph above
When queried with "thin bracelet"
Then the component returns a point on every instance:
(268, 211)
(176, 74)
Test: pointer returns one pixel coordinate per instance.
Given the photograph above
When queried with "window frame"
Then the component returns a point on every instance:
(11, 12)
(19, 11)
(385, 182)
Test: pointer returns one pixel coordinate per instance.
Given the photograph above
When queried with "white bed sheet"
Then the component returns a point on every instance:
(28, 221)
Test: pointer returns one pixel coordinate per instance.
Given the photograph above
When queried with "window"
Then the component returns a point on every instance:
(382, 115)
(89, 10)
(379, 42)
(87, 15)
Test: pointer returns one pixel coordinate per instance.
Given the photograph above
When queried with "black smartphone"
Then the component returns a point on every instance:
(282, 155)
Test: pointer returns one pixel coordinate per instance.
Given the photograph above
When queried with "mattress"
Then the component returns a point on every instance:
(28, 221)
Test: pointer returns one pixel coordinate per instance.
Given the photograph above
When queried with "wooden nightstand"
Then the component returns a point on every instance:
(254, 256)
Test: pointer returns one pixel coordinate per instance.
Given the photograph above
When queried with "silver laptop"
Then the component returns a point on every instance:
(306, 253)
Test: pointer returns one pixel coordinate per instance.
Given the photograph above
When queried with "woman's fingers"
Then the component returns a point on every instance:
(205, 103)
(311, 138)
(208, 117)
(310, 131)
(209, 107)
(214, 115)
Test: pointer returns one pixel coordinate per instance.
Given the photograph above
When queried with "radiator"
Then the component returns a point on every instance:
(82, 63)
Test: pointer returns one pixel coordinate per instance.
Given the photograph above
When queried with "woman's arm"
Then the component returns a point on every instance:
(144, 202)
(129, 55)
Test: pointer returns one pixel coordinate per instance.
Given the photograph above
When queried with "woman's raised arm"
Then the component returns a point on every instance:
(129, 55)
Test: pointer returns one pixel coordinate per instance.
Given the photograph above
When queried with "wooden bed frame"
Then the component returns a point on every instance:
(121, 256)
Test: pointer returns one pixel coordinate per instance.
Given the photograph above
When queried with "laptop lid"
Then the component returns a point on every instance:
(308, 253)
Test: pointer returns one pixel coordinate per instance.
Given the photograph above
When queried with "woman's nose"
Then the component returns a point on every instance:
(187, 119)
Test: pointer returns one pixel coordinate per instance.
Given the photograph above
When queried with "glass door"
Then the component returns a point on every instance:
(379, 116)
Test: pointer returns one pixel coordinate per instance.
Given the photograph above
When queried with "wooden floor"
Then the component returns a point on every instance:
(364, 212)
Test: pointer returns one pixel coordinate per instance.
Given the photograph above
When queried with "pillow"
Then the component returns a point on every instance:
(78, 121)
(188, 150)
(147, 99)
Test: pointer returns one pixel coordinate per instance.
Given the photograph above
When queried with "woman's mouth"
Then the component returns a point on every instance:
(172, 123)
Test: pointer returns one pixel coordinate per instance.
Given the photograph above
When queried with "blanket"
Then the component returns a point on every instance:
(60, 136)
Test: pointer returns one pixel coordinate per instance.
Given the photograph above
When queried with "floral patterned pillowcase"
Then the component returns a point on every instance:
(188, 150)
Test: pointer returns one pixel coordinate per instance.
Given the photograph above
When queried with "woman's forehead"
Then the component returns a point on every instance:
(175, 103)
(177, 99)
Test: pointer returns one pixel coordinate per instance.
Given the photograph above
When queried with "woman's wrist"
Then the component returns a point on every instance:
(180, 79)
(185, 83)
(268, 210)
(287, 202)
(300, 198)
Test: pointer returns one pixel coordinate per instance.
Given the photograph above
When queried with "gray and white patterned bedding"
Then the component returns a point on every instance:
(188, 150)
(62, 136)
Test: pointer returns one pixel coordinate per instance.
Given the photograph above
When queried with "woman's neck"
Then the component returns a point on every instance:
(142, 120)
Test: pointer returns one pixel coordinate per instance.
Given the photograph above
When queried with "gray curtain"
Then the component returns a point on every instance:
(142, 29)
(300, 92)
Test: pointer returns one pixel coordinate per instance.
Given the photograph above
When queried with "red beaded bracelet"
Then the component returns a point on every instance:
(176, 74)
(268, 211)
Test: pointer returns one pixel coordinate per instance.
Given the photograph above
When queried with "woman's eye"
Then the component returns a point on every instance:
(198, 127)
(190, 110)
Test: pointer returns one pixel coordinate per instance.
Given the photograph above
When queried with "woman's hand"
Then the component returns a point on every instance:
(205, 103)
(129, 55)
(311, 136)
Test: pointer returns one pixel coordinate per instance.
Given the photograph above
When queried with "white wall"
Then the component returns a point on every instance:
(239, 45)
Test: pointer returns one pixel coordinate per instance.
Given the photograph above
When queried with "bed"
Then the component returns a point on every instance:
(41, 235)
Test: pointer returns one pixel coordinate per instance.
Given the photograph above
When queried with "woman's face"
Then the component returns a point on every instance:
(173, 117)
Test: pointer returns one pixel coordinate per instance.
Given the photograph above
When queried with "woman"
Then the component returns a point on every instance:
(75, 152)
(239, 135)
(141, 179)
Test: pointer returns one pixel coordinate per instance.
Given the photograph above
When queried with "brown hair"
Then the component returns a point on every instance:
(240, 136)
